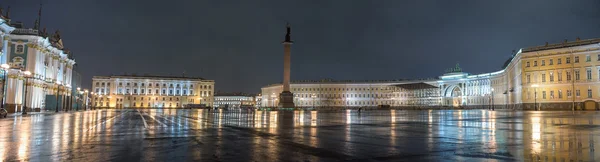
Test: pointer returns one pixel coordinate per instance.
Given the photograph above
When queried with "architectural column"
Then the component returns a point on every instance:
(4, 49)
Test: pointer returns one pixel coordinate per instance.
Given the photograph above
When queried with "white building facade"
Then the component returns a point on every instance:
(561, 76)
(42, 55)
(151, 91)
(234, 101)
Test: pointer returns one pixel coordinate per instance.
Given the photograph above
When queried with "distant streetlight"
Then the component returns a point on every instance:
(535, 96)
(27, 74)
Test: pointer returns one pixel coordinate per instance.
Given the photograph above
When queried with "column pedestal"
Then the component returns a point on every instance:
(286, 100)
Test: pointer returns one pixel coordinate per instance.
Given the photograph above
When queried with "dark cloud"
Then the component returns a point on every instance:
(237, 42)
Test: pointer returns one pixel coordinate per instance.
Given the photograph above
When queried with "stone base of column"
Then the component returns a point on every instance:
(286, 100)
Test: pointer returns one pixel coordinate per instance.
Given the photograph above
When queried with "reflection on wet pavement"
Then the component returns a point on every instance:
(234, 135)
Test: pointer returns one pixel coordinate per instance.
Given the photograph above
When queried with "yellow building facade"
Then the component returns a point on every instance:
(151, 92)
(562, 76)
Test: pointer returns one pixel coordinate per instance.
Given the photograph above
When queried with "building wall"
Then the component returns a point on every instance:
(562, 74)
(50, 67)
(346, 94)
(140, 92)
(233, 101)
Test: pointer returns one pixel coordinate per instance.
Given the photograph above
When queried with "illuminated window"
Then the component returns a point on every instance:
(588, 58)
(543, 77)
(559, 93)
(559, 76)
(543, 94)
(20, 49)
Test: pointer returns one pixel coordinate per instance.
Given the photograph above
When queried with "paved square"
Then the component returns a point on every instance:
(390, 135)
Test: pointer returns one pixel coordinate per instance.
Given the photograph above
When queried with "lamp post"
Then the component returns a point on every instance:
(77, 98)
(86, 97)
(535, 96)
(27, 74)
(4, 69)
(57, 94)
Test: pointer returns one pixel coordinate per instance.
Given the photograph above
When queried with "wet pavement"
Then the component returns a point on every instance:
(391, 135)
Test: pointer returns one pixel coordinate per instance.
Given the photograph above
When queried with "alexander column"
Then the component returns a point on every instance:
(286, 98)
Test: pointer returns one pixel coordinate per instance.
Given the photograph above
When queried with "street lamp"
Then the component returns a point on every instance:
(86, 98)
(535, 96)
(27, 74)
(4, 69)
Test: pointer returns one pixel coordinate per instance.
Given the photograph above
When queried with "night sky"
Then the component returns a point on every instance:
(237, 43)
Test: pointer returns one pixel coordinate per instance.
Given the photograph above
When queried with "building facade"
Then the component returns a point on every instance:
(233, 101)
(35, 67)
(151, 91)
(561, 76)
